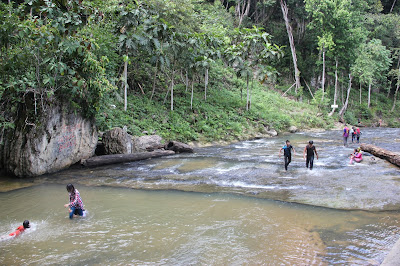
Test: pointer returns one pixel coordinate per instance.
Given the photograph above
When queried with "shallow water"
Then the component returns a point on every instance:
(246, 210)
(125, 226)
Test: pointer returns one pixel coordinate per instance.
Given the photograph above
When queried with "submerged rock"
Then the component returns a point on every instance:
(56, 141)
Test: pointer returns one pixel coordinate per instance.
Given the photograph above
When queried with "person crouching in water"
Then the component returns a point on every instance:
(19, 230)
(356, 156)
(75, 204)
(287, 153)
(310, 150)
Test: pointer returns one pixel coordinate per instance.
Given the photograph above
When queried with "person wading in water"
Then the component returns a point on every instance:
(75, 204)
(287, 153)
(310, 150)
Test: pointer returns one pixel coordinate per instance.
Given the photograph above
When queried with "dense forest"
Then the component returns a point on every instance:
(201, 70)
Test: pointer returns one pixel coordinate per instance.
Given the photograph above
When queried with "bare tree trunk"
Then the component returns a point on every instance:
(205, 84)
(186, 81)
(191, 97)
(391, 9)
(292, 46)
(126, 84)
(154, 81)
(336, 85)
(395, 95)
(172, 89)
(323, 71)
(248, 92)
(242, 9)
(360, 92)
(389, 156)
(344, 108)
(369, 94)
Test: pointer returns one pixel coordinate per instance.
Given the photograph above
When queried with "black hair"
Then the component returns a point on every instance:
(26, 224)
(287, 141)
(70, 188)
(311, 142)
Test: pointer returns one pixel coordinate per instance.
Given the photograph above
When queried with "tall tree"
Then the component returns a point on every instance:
(292, 45)
(372, 64)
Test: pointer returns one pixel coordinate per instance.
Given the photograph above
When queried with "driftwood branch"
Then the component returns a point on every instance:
(123, 158)
(390, 156)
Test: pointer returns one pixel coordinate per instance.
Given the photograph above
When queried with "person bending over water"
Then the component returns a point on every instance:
(310, 150)
(356, 156)
(75, 204)
(287, 153)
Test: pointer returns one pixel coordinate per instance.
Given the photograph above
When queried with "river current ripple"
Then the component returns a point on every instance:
(253, 168)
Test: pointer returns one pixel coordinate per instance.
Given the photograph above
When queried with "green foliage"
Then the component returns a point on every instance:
(51, 59)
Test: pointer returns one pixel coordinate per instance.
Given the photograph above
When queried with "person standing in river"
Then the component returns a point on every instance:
(346, 132)
(310, 150)
(287, 153)
(358, 134)
(75, 204)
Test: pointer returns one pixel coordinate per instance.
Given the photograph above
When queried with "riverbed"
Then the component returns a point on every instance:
(222, 205)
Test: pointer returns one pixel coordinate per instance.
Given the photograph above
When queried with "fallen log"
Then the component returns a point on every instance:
(390, 156)
(123, 158)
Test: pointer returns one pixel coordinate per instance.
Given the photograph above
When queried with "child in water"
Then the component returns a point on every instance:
(19, 230)
(356, 156)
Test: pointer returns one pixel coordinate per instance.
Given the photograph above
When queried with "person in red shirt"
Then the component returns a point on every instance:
(21, 228)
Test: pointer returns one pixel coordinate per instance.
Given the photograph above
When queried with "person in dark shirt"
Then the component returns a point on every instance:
(287, 153)
(309, 150)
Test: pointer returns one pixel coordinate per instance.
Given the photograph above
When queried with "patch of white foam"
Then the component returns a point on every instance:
(240, 184)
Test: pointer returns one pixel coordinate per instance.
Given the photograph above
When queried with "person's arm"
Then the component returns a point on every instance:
(304, 153)
(294, 151)
(316, 153)
(280, 152)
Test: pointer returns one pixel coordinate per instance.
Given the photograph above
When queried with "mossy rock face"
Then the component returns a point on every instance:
(58, 140)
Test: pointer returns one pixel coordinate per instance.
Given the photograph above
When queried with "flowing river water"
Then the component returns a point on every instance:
(222, 205)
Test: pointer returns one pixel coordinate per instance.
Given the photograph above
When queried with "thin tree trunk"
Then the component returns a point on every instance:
(154, 81)
(369, 94)
(342, 92)
(323, 71)
(344, 108)
(191, 97)
(395, 95)
(292, 46)
(336, 85)
(205, 84)
(251, 90)
(248, 92)
(242, 10)
(187, 81)
(126, 84)
(391, 9)
(360, 93)
(172, 89)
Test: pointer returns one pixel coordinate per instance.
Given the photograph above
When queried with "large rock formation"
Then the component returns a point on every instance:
(56, 141)
(146, 143)
(117, 141)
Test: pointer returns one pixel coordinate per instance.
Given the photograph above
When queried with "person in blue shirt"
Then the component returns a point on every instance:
(287, 153)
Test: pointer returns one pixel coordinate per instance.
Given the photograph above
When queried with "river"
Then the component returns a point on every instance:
(222, 205)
